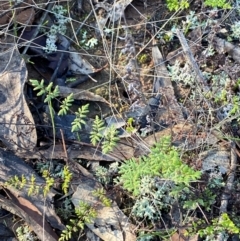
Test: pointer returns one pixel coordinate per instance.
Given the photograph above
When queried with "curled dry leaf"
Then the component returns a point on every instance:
(163, 86)
(17, 129)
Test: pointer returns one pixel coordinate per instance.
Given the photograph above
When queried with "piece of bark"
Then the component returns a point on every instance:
(178, 55)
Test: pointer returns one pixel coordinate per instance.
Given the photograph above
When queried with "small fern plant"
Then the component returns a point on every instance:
(66, 104)
(218, 3)
(85, 214)
(156, 181)
(67, 176)
(21, 182)
(24, 233)
(101, 194)
(81, 114)
(30, 184)
(163, 161)
(96, 133)
(49, 182)
(223, 225)
(110, 139)
(50, 95)
(175, 5)
(99, 132)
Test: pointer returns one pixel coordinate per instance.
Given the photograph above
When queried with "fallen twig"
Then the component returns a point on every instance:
(229, 185)
(191, 61)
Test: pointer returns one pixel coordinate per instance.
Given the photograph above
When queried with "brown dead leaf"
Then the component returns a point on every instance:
(26, 16)
(79, 94)
(17, 129)
(33, 216)
(7, 10)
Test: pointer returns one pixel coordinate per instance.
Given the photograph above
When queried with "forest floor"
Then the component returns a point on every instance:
(153, 77)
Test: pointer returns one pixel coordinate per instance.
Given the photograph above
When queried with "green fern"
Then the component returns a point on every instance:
(85, 214)
(80, 116)
(17, 182)
(33, 188)
(23, 182)
(101, 194)
(218, 3)
(208, 231)
(130, 128)
(163, 162)
(50, 95)
(67, 102)
(49, 182)
(175, 5)
(38, 86)
(24, 233)
(97, 128)
(110, 139)
(67, 176)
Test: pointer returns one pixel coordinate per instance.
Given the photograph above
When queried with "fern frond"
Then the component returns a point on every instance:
(67, 176)
(67, 102)
(36, 84)
(101, 194)
(49, 184)
(97, 128)
(80, 116)
(51, 94)
(164, 161)
(110, 139)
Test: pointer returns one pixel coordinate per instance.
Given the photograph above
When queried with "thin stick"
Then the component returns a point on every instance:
(229, 185)
(191, 61)
(64, 146)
